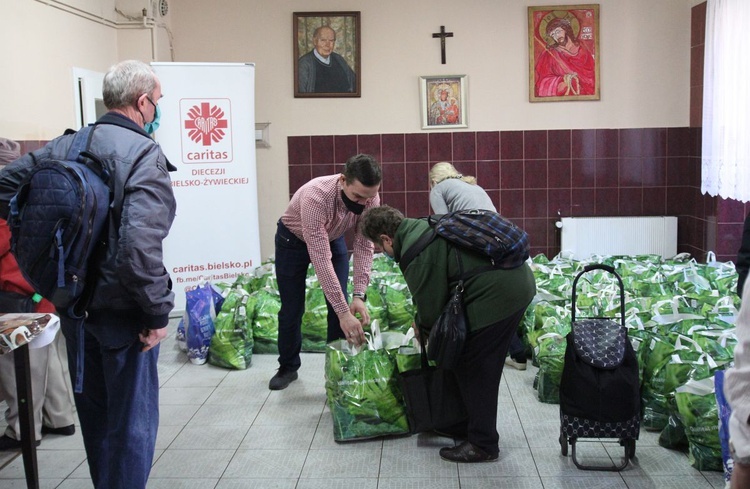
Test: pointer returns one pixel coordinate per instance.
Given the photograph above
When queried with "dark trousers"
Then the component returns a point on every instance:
(479, 373)
(119, 406)
(517, 350)
(292, 261)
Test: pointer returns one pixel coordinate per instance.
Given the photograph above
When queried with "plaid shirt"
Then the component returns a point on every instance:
(317, 215)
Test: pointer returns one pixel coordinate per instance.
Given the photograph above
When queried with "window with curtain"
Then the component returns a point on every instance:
(726, 100)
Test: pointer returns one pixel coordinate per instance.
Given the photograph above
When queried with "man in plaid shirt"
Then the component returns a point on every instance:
(312, 231)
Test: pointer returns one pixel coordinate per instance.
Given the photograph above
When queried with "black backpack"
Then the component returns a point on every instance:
(482, 231)
(57, 221)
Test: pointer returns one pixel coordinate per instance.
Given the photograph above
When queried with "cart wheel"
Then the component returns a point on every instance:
(563, 444)
(630, 448)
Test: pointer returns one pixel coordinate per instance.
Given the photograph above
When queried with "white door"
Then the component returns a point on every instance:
(89, 101)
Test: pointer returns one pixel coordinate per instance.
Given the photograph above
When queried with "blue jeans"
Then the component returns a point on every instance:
(119, 406)
(292, 261)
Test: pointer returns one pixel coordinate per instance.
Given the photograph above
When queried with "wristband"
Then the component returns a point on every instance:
(360, 296)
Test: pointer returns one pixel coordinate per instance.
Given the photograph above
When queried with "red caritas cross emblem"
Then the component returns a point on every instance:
(206, 124)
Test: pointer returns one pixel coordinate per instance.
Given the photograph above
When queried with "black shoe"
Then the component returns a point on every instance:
(466, 453)
(8, 443)
(64, 430)
(282, 379)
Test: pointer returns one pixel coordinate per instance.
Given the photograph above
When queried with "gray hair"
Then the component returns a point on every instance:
(125, 82)
(316, 32)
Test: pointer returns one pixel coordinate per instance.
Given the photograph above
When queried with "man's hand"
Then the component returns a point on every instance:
(359, 306)
(151, 337)
(352, 328)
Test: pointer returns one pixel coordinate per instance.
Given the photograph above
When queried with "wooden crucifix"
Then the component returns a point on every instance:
(442, 35)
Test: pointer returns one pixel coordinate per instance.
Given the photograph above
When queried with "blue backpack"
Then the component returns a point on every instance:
(58, 223)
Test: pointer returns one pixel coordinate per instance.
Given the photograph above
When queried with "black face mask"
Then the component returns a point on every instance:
(351, 205)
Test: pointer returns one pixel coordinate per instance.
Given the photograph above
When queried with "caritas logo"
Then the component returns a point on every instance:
(206, 132)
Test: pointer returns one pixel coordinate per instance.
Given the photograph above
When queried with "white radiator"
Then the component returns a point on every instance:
(584, 236)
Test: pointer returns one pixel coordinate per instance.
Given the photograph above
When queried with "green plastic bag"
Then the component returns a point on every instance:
(400, 307)
(232, 343)
(363, 393)
(550, 354)
(673, 372)
(266, 320)
(315, 318)
(698, 411)
(376, 306)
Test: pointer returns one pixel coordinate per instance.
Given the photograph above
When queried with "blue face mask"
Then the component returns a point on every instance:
(151, 127)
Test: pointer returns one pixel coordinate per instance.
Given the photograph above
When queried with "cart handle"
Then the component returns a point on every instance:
(606, 268)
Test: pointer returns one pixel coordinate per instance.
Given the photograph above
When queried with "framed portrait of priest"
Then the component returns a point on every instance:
(327, 54)
(564, 53)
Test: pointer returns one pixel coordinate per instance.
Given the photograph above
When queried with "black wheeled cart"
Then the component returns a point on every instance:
(599, 389)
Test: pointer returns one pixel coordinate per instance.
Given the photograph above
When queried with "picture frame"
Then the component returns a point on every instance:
(564, 59)
(336, 70)
(444, 102)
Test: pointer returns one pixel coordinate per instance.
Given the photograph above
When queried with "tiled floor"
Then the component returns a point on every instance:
(224, 429)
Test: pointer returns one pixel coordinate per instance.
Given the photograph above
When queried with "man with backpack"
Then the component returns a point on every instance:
(114, 351)
(50, 385)
(494, 302)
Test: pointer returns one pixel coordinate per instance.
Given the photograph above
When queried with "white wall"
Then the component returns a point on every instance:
(645, 55)
(40, 46)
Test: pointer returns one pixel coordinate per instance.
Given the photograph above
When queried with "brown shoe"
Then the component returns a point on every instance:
(466, 453)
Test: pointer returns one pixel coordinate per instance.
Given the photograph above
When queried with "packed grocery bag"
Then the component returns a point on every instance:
(201, 304)
(232, 343)
(363, 391)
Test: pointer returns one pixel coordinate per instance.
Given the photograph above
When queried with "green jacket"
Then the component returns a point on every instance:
(488, 297)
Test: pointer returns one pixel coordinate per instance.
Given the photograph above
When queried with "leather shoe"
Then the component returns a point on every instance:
(63, 430)
(8, 443)
(282, 379)
(466, 453)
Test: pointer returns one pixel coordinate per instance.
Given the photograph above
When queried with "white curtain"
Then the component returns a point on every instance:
(726, 100)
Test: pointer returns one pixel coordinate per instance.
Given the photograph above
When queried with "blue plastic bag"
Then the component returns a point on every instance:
(199, 328)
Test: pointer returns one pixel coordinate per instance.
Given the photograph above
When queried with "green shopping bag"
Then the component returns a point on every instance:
(363, 391)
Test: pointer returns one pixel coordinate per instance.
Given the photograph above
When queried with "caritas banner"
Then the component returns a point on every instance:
(207, 131)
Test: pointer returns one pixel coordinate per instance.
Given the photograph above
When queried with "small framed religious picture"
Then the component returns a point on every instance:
(443, 101)
(564, 53)
(327, 54)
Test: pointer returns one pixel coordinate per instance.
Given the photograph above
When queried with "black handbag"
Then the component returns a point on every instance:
(448, 334)
(433, 399)
(14, 302)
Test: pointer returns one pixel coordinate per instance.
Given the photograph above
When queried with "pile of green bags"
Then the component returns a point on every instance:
(680, 317)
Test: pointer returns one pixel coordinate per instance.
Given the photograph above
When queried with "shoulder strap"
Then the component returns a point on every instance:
(81, 142)
(79, 151)
(422, 242)
(416, 248)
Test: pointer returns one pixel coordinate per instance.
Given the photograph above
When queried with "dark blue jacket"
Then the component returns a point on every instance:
(133, 285)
